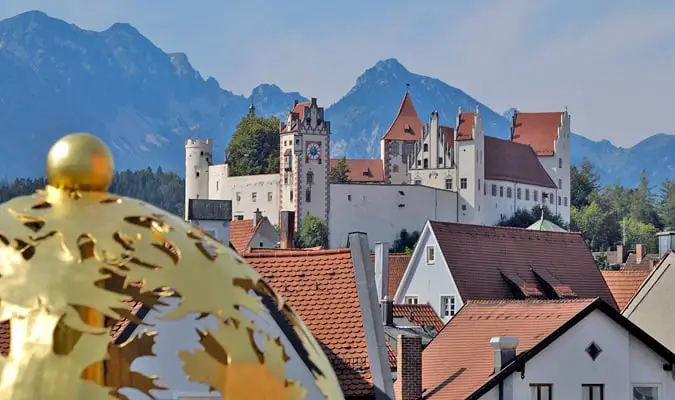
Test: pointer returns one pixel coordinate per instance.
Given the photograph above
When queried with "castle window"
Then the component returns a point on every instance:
(494, 190)
(559, 162)
(550, 198)
(440, 160)
(448, 183)
(462, 183)
(418, 181)
(509, 192)
(217, 185)
(308, 195)
(291, 195)
(501, 191)
(269, 196)
(349, 197)
(565, 201)
(419, 163)
(426, 147)
(479, 184)
(426, 163)
(519, 192)
(201, 153)
(394, 148)
(254, 196)
(536, 195)
(559, 200)
(310, 177)
(559, 183)
(286, 179)
(395, 168)
(238, 197)
(197, 173)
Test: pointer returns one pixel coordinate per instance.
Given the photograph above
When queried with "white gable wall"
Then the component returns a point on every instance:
(428, 282)
(624, 361)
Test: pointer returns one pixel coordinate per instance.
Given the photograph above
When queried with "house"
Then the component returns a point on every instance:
(253, 233)
(543, 350)
(453, 263)
(212, 216)
(651, 307)
(624, 283)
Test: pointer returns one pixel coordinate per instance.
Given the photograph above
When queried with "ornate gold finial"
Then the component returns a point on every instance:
(80, 161)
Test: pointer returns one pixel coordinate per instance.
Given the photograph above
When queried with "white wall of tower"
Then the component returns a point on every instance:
(198, 158)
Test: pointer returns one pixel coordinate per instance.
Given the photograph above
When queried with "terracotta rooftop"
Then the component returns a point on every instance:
(460, 359)
(407, 124)
(241, 233)
(489, 262)
(320, 286)
(363, 170)
(539, 130)
(625, 283)
(397, 265)
(465, 126)
(449, 134)
(419, 314)
(514, 162)
(648, 261)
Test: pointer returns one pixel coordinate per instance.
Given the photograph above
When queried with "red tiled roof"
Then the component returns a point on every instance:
(449, 134)
(320, 286)
(297, 114)
(513, 162)
(465, 126)
(407, 124)
(241, 233)
(479, 256)
(624, 284)
(419, 314)
(539, 130)
(460, 359)
(398, 262)
(362, 170)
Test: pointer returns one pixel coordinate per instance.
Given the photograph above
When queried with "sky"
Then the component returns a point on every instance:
(611, 62)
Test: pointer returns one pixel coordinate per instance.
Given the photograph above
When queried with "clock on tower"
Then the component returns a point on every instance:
(313, 151)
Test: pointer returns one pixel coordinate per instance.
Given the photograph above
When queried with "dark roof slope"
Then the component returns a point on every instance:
(514, 162)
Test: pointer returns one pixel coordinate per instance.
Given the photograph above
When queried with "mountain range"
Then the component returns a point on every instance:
(57, 78)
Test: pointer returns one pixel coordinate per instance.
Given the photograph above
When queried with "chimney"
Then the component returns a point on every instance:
(387, 306)
(287, 229)
(504, 351)
(257, 216)
(666, 242)
(640, 252)
(408, 385)
(620, 255)
(382, 270)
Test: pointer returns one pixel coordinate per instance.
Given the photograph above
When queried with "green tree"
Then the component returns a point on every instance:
(642, 203)
(601, 261)
(584, 183)
(405, 242)
(666, 205)
(254, 147)
(340, 172)
(313, 232)
(637, 232)
(523, 218)
(597, 224)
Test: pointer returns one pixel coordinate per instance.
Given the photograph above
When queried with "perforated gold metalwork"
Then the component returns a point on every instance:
(73, 257)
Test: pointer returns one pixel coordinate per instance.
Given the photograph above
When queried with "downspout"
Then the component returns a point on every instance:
(501, 390)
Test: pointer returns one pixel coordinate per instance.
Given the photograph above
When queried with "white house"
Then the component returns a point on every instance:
(544, 350)
(458, 174)
(453, 263)
(212, 216)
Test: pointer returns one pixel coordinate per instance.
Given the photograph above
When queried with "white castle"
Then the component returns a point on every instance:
(425, 171)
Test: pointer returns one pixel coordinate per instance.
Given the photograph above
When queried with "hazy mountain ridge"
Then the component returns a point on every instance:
(56, 78)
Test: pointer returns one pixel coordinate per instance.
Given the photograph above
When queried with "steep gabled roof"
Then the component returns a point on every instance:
(320, 286)
(407, 125)
(539, 130)
(242, 231)
(624, 283)
(398, 262)
(466, 123)
(297, 114)
(513, 162)
(419, 315)
(363, 170)
(489, 262)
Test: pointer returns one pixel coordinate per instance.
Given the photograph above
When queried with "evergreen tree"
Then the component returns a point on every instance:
(313, 232)
(667, 204)
(254, 147)
(584, 183)
(340, 172)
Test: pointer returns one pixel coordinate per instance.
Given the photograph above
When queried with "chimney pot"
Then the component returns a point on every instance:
(408, 385)
(504, 351)
(388, 312)
(257, 216)
(620, 255)
(287, 229)
(639, 252)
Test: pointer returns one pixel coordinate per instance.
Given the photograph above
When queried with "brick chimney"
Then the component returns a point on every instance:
(408, 385)
(620, 255)
(382, 270)
(257, 216)
(287, 229)
(504, 351)
(640, 252)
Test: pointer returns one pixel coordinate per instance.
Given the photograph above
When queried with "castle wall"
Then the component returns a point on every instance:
(247, 193)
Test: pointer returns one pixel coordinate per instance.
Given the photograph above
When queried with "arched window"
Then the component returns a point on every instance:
(559, 162)
(308, 195)
(310, 177)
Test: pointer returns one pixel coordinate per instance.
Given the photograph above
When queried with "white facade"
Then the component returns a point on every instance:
(625, 362)
(397, 207)
(198, 157)
(219, 230)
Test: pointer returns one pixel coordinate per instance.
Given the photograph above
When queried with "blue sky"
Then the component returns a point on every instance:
(611, 62)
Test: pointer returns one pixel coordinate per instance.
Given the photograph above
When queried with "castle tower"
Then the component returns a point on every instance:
(198, 158)
(396, 146)
(305, 163)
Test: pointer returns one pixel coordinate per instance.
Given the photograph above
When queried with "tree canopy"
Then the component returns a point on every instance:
(524, 218)
(405, 242)
(313, 232)
(254, 147)
(340, 172)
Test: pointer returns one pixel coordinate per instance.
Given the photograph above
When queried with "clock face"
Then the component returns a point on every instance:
(313, 151)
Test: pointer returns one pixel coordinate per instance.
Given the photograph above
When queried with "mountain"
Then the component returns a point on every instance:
(56, 78)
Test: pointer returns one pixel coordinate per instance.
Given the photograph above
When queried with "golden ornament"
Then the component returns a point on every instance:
(73, 261)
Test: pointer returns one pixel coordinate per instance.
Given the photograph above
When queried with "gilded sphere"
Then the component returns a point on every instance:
(80, 161)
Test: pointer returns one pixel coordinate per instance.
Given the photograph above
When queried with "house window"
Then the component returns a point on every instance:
(254, 196)
(440, 160)
(519, 192)
(310, 177)
(536, 195)
(238, 197)
(478, 183)
(462, 183)
(431, 256)
(593, 392)
(308, 195)
(501, 191)
(541, 391)
(550, 197)
(419, 162)
(447, 306)
(448, 183)
(426, 163)
(494, 190)
(559, 183)
(426, 147)
(509, 192)
(645, 392)
(394, 168)
(418, 181)
(559, 200)
(411, 300)
(560, 163)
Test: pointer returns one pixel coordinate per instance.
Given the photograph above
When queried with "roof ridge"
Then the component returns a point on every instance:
(293, 253)
(511, 228)
(532, 301)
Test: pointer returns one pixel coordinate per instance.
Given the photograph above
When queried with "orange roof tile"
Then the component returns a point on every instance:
(489, 252)
(297, 114)
(241, 233)
(462, 349)
(407, 124)
(419, 314)
(362, 170)
(449, 134)
(320, 286)
(625, 283)
(465, 126)
(514, 162)
(398, 262)
(539, 130)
